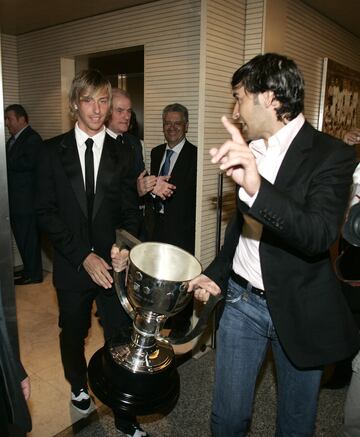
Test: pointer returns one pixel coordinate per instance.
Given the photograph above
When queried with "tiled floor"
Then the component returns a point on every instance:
(39, 346)
(37, 315)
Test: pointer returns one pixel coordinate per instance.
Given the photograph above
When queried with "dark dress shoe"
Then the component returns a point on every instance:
(19, 273)
(130, 429)
(26, 281)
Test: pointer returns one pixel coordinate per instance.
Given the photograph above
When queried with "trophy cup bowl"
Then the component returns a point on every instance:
(139, 375)
(157, 286)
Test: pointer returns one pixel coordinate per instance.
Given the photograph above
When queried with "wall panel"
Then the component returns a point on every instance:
(11, 95)
(309, 38)
(10, 70)
(222, 50)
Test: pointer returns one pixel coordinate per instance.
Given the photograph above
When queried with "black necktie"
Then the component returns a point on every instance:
(166, 166)
(89, 180)
(120, 138)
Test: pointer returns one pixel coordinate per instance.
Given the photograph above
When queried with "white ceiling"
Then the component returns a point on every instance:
(343, 12)
(22, 16)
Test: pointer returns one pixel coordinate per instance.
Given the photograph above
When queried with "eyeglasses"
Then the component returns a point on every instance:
(173, 123)
(90, 100)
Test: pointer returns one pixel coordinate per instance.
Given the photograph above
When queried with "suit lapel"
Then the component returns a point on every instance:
(295, 156)
(106, 170)
(71, 163)
(16, 147)
(156, 159)
(181, 164)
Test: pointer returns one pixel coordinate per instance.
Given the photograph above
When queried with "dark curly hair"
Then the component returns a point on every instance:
(276, 73)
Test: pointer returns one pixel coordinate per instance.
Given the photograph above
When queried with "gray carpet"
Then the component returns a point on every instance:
(190, 417)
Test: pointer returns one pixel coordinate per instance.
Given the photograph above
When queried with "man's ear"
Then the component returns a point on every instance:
(269, 99)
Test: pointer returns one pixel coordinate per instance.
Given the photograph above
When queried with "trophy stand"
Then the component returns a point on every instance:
(136, 393)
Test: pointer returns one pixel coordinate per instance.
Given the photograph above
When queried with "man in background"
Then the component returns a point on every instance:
(22, 155)
(173, 193)
(118, 126)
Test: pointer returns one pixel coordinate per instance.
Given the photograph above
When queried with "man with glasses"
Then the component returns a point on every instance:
(173, 189)
(87, 189)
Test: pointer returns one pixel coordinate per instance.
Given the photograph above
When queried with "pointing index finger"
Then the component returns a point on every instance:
(233, 130)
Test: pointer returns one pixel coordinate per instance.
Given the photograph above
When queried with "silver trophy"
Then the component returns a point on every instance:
(139, 375)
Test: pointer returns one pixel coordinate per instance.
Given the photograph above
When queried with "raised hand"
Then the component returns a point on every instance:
(145, 184)
(237, 160)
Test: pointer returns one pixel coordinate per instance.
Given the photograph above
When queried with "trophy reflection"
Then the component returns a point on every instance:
(138, 375)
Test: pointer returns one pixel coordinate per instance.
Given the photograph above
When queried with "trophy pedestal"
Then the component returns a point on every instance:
(135, 393)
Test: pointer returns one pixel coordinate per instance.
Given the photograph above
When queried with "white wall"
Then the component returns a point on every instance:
(169, 32)
(222, 51)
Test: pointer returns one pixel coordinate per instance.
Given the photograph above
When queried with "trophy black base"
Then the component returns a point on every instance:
(133, 393)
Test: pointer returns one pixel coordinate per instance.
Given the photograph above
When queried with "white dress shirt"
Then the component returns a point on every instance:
(98, 139)
(176, 149)
(269, 157)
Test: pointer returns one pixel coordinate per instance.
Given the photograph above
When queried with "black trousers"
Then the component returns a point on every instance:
(75, 319)
(27, 238)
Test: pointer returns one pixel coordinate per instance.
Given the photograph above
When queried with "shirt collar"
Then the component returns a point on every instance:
(16, 136)
(178, 147)
(282, 138)
(113, 134)
(82, 136)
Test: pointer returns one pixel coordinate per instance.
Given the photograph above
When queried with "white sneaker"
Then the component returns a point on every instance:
(81, 401)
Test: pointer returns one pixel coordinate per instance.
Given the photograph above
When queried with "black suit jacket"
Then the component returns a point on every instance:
(11, 375)
(62, 210)
(179, 210)
(136, 148)
(301, 216)
(22, 160)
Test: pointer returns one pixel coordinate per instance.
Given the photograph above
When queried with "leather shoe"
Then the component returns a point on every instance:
(26, 281)
(131, 429)
(19, 273)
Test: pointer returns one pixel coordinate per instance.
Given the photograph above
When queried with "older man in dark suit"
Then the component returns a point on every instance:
(87, 189)
(22, 154)
(173, 190)
(118, 126)
(293, 185)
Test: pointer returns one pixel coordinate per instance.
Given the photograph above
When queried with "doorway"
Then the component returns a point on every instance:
(125, 69)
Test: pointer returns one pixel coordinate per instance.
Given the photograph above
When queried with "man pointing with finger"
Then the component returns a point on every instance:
(292, 190)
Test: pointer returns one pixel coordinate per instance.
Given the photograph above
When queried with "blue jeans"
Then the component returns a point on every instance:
(245, 331)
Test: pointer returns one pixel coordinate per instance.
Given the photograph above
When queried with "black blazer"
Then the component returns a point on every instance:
(301, 214)
(62, 210)
(179, 210)
(22, 160)
(11, 375)
(136, 147)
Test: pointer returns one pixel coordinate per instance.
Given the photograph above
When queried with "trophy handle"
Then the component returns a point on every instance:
(201, 323)
(124, 240)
